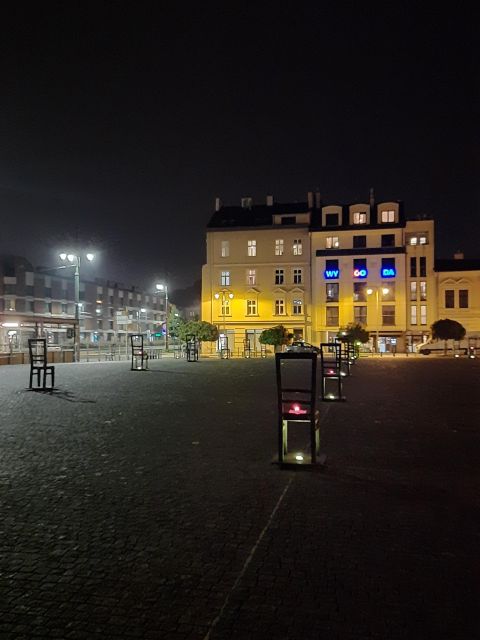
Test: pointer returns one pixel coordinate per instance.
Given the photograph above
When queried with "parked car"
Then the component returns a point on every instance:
(299, 346)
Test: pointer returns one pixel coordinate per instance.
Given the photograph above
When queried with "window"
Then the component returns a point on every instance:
(289, 219)
(279, 247)
(225, 250)
(388, 239)
(388, 268)
(10, 288)
(48, 292)
(360, 217)
(280, 307)
(331, 269)
(360, 268)
(297, 307)
(413, 240)
(29, 290)
(359, 242)
(449, 298)
(29, 305)
(64, 308)
(332, 317)
(297, 276)
(251, 307)
(297, 247)
(251, 276)
(225, 307)
(331, 289)
(252, 248)
(48, 307)
(423, 314)
(423, 290)
(110, 324)
(390, 295)
(413, 267)
(360, 315)
(225, 278)
(359, 291)
(279, 276)
(331, 242)
(388, 315)
(10, 304)
(423, 267)
(413, 314)
(413, 291)
(423, 239)
(463, 298)
(388, 216)
(331, 219)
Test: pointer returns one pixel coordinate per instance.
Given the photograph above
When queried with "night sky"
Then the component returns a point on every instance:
(120, 124)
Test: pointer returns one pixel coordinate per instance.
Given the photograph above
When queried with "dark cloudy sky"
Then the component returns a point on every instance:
(120, 123)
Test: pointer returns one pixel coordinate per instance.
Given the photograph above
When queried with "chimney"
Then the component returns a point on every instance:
(218, 204)
(318, 200)
(458, 255)
(310, 199)
(372, 198)
(269, 201)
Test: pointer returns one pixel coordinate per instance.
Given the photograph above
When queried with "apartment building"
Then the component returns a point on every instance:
(34, 303)
(316, 267)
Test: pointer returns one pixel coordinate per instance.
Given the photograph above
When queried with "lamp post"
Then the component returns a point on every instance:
(376, 290)
(164, 287)
(74, 260)
(225, 296)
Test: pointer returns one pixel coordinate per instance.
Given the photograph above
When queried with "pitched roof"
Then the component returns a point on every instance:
(457, 265)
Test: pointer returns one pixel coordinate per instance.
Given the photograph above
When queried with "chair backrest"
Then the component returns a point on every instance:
(37, 348)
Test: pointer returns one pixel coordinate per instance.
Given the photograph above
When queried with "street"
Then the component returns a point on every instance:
(148, 505)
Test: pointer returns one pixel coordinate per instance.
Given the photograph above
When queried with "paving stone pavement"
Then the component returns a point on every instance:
(146, 505)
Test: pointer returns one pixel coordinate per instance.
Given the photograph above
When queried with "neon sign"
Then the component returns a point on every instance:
(388, 272)
(360, 273)
(331, 274)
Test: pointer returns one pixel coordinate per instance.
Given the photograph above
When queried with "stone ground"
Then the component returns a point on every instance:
(146, 505)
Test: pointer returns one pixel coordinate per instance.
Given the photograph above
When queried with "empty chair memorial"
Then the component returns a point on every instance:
(297, 407)
(247, 352)
(192, 349)
(331, 371)
(39, 367)
(139, 355)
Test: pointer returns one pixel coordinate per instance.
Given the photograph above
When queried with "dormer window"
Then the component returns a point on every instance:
(360, 217)
(388, 216)
(331, 219)
(289, 220)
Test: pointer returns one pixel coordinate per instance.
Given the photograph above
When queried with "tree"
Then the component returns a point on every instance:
(203, 331)
(353, 333)
(276, 336)
(447, 330)
(174, 324)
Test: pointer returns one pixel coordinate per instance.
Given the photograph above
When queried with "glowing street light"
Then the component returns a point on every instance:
(226, 296)
(74, 260)
(370, 291)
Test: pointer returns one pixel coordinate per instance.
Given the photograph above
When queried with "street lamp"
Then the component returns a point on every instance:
(74, 261)
(164, 287)
(375, 290)
(225, 295)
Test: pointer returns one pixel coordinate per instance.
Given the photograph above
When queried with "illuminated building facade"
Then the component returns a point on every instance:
(315, 268)
(34, 303)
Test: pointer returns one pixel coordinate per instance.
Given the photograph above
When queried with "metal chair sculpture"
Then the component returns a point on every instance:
(263, 350)
(247, 352)
(192, 349)
(224, 348)
(39, 367)
(139, 355)
(297, 397)
(331, 370)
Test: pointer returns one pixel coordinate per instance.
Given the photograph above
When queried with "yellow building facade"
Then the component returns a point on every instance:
(314, 268)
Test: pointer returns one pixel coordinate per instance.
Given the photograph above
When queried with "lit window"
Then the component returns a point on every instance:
(251, 276)
(388, 291)
(252, 248)
(280, 307)
(332, 242)
(331, 290)
(10, 304)
(423, 290)
(297, 307)
(225, 248)
(423, 314)
(225, 307)
(413, 314)
(359, 292)
(251, 307)
(279, 276)
(332, 317)
(225, 278)
(414, 240)
(388, 216)
(297, 247)
(279, 247)
(413, 291)
(423, 240)
(360, 217)
(360, 315)
(297, 276)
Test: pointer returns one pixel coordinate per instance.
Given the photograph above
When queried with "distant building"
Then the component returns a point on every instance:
(315, 267)
(34, 303)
